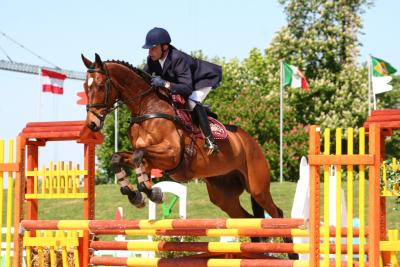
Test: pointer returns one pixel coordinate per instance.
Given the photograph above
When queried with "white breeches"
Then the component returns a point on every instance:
(198, 96)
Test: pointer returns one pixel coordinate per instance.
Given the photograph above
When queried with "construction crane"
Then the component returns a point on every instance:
(34, 69)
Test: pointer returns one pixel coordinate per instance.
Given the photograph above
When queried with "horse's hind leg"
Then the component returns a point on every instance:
(224, 192)
(118, 161)
(258, 181)
(258, 178)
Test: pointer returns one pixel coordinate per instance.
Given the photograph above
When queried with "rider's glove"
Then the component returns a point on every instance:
(158, 82)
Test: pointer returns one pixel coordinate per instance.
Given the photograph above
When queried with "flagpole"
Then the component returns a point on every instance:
(281, 124)
(369, 85)
(115, 134)
(40, 93)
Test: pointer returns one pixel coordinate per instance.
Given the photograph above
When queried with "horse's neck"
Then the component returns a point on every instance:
(134, 86)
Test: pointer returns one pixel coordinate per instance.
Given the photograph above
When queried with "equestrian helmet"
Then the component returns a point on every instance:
(155, 37)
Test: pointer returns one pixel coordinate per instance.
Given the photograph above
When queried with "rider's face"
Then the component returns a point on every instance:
(155, 52)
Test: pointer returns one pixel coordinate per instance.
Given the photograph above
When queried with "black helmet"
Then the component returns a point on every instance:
(155, 37)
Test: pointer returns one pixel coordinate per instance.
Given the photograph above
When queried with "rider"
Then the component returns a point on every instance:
(182, 74)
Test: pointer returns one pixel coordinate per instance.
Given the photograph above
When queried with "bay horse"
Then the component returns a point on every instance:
(159, 141)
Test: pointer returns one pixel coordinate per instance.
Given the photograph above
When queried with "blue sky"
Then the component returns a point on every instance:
(61, 30)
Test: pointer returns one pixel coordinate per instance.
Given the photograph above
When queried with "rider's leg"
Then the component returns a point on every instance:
(201, 115)
(202, 118)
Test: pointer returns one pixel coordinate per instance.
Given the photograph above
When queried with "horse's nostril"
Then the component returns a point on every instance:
(93, 126)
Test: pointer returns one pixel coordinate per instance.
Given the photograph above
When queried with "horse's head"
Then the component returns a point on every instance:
(100, 91)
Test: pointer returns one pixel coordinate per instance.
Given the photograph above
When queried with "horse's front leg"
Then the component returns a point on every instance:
(118, 161)
(144, 184)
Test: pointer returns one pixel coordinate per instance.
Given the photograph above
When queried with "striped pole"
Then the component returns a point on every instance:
(192, 262)
(196, 262)
(213, 247)
(94, 225)
(225, 232)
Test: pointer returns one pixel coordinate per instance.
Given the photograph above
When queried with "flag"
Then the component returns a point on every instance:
(83, 98)
(293, 77)
(52, 81)
(381, 71)
(381, 68)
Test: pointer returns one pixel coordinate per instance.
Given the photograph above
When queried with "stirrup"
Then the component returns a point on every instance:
(211, 146)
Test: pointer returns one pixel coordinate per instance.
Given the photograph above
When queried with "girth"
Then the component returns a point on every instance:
(174, 119)
(156, 115)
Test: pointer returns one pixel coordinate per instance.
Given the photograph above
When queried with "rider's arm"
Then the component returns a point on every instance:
(183, 85)
(146, 68)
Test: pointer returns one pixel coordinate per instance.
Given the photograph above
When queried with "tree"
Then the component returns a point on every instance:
(321, 37)
(104, 171)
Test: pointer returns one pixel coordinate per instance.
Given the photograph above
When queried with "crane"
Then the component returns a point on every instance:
(34, 69)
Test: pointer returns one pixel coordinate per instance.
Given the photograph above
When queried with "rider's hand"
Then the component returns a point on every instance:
(157, 81)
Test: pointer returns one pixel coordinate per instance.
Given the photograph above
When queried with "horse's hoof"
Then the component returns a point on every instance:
(125, 190)
(156, 195)
(137, 199)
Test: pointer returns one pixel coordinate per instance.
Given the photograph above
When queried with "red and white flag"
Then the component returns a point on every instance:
(52, 81)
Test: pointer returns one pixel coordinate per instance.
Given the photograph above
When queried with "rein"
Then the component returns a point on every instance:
(105, 104)
(134, 119)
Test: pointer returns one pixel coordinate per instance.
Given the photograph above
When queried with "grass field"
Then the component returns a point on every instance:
(108, 199)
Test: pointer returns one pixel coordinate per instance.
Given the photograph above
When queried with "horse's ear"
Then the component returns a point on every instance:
(86, 61)
(98, 61)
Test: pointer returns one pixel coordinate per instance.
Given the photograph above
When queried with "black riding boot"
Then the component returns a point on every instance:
(202, 118)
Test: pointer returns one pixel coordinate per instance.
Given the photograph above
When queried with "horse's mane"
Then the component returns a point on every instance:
(140, 72)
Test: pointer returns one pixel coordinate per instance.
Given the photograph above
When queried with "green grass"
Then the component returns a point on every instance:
(108, 199)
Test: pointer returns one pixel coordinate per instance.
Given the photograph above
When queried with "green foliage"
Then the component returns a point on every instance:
(321, 38)
(104, 172)
(392, 176)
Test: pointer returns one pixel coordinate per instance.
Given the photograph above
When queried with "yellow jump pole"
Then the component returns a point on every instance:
(326, 228)
(10, 188)
(338, 198)
(350, 200)
(1, 193)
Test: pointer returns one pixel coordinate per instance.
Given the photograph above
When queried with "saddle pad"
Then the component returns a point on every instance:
(218, 129)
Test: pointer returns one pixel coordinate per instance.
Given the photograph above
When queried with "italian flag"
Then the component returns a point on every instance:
(293, 77)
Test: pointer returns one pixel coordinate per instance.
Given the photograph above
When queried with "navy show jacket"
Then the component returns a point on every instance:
(184, 72)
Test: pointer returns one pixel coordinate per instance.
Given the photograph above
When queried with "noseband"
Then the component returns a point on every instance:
(104, 105)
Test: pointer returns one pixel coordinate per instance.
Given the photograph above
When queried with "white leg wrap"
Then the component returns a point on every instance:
(141, 174)
(139, 170)
(143, 177)
(121, 174)
(123, 182)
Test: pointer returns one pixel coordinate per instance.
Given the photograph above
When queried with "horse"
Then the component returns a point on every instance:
(160, 141)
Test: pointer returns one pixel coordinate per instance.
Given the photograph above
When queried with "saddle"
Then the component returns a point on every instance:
(218, 130)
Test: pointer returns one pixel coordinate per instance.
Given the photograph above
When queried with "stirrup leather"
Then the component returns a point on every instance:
(210, 146)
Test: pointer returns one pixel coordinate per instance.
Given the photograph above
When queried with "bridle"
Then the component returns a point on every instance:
(104, 105)
(134, 119)
(117, 103)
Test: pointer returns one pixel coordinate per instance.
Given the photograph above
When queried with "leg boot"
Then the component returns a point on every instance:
(202, 118)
